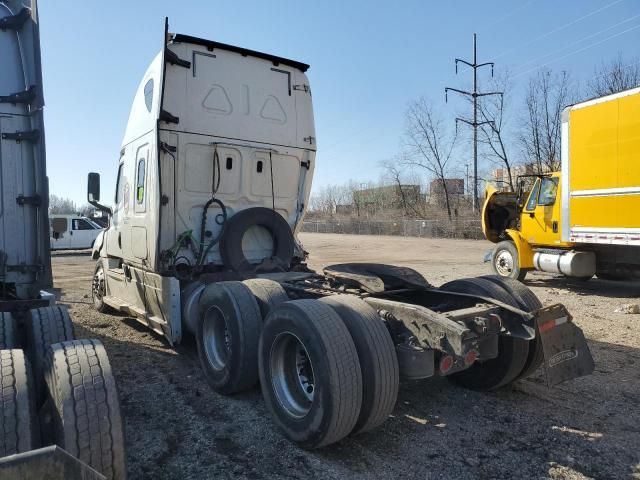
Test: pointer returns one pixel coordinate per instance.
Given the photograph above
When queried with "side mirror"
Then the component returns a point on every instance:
(93, 187)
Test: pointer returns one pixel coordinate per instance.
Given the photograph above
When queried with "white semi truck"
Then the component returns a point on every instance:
(59, 409)
(214, 176)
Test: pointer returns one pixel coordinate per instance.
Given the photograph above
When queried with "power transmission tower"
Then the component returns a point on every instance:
(475, 124)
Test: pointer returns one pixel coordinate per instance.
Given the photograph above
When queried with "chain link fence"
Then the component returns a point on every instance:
(441, 228)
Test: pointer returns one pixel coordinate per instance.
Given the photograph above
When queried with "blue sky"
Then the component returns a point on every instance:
(368, 60)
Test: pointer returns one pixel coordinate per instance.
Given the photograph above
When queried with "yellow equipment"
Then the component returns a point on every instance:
(584, 220)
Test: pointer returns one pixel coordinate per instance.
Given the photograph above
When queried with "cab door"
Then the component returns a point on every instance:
(540, 219)
(82, 233)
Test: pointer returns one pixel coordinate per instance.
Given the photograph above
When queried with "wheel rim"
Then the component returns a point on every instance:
(292, 375)
(97, 289)
(504, 263)
(216, 338)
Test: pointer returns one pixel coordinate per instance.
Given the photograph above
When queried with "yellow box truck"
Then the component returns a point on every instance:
(584, 220)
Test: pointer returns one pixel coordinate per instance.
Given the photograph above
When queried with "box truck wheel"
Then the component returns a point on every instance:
(309, 373)
(529, 302)
(18, 424)
(269, 294)
(505, 263)
(44, 327)
(82, 412)
(8, 331)
(377, 356)
(228, 335)
(99, 289)
(512, 352)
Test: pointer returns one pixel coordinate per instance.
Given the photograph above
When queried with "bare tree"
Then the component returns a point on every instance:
(429, 144)
(614, 77)
(59, 205)
(396, 174)
(546, 97)
(493, 134)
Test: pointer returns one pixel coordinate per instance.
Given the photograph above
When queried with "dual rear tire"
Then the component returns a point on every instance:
(327, 368)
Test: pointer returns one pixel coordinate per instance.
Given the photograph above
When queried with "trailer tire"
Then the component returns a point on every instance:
(512, 352)
(529, 302)
(377, 358)
(310, 373)
(505, 263)
(228, 336)
(18, 423)
(44, 327)
(83, 406)
(8, 331)
(235, 228)
(99, 289)
(269, 294)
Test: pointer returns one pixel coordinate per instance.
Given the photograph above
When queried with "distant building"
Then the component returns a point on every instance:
(455, 186)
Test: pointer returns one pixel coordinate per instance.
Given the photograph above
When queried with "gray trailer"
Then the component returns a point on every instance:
(59, 408)
(214, 175)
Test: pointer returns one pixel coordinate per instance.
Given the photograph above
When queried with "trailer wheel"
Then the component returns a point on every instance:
(527, 301)
(377, 356)
(228, 336)
(8, 331)
(269, 294)
(504, 261)
(310, 373)
(83, 406)
(18, 422)
(99, 289)
(44, 327)
(512, 352)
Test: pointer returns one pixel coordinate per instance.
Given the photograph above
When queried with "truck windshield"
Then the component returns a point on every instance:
(531, 203)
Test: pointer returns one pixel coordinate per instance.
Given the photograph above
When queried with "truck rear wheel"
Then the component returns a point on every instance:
(269, 294)
(529, 302)
(512, 352)
(228, 336)
(309, 373)
(8, 331)
(18, 421)
(44, 327)
(505, 263)
(377, 357)
(83, 406)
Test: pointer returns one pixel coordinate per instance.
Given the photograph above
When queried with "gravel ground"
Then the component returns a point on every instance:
(176, 427)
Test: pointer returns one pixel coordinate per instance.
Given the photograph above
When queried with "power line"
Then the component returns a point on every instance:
(575, 42)
(559, 29)
(576, 51)
(474, 94)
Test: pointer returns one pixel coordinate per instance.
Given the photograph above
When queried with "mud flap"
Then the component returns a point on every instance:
(566, 354)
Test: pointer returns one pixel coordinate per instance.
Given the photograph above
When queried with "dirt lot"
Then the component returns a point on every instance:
(176, 427)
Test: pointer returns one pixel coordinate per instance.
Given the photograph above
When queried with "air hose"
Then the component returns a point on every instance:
(215, 184)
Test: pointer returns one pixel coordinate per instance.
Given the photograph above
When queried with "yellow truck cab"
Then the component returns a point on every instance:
(581, 221)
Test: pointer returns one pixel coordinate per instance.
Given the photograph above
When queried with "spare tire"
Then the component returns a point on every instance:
(236, 227)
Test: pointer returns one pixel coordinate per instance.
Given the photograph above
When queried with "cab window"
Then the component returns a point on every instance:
(140, 182)
(533, 196)
(81, 224)
(119, 184)
(548, 190)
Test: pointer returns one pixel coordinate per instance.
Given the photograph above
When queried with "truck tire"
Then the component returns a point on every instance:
(228, 336)
(529, 302)
(512, 352)
(310, 373)
(18, 423)
(44, 327)
(235, 228)
(83, 406)
(8, 331)
(269, 294)
(99, 289)
(377, 358)
(504, 261)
